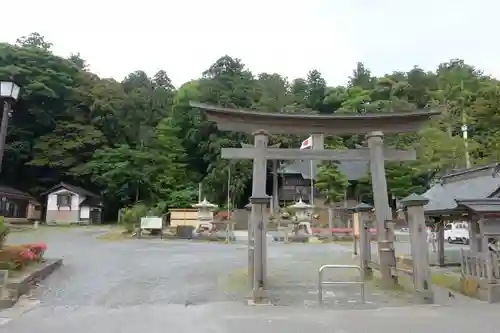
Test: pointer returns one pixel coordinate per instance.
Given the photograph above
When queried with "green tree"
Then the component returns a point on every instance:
(227, 83)
(78, 61)
(129, 139)
(169, 172)
(332, 184)
(124, 172)
(34, 40)
(403, 180)
(273, 93)
(67, 148)
(361, 77)
(316, 90)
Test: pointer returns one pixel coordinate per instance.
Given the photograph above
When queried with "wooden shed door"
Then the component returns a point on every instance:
(95, 216)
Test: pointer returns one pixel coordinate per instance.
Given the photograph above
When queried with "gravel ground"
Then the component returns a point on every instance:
(122, 286)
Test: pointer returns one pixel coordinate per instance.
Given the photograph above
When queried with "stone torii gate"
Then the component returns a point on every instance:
(373, 125)
(260, 154)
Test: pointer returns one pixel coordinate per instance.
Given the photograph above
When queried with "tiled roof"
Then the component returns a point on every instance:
(13, 193)
(477, 183)
(91, 202)
(353, 170)
(72, 188)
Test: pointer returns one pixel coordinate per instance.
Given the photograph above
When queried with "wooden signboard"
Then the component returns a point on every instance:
(355, 224)
(151, 222)
(183, 217)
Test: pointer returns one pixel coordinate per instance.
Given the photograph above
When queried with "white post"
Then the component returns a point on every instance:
(276, 203)
(312, 183)
(228, 229)
(318, 143)
(311, 167)
(466, 146)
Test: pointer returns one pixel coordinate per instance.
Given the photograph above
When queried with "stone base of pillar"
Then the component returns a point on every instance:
(260, 297)
(251, 302)
(368, 273)
(387, 262)
(250, 267)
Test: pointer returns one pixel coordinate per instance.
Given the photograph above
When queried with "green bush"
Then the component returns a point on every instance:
(4, 231)
(131, 216)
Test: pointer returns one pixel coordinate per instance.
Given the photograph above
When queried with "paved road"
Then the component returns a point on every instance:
(182, 286)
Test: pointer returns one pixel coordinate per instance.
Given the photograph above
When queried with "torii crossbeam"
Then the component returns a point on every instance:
(362, 154)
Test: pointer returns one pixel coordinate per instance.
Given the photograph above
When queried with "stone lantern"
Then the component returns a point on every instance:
(205, 214)
(302, 215)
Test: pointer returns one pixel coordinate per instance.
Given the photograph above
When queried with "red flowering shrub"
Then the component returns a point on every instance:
(21, 255)
(26, 255)
(38, 250)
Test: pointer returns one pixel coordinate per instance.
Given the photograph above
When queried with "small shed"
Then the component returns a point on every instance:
(66, 204)
(471, 195)
(476, 183)
(480, 266)
(17, 206)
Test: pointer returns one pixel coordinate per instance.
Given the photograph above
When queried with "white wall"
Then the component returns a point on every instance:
(75, 201)
(84, 212)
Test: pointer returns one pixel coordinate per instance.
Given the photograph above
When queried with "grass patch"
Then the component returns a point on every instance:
(445, 280)
(16, 229)
(61, 226)
(78, 225)
(397, 288)
(342, 242)
(115, 235)
(235, 281)
(215, 241)
(449, 281)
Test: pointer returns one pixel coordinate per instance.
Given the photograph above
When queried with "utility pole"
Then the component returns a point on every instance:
(466, 146)
(228, 227)
(465, 129)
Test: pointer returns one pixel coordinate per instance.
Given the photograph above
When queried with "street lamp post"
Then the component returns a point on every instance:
(9, 93)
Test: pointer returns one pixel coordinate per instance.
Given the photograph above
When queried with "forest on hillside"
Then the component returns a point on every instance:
(139, 140)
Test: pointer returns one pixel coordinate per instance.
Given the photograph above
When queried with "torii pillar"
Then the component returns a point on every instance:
(259, 201)
(383, 216)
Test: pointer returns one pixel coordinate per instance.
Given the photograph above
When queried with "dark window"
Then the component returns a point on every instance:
(13, 208)
(63, 200)
(293, 181)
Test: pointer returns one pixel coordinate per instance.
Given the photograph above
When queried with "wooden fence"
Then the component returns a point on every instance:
(480, 266)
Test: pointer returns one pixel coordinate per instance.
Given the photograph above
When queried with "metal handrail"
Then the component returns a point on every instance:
(360, 283)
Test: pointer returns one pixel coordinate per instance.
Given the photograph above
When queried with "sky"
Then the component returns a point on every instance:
(289, 37)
